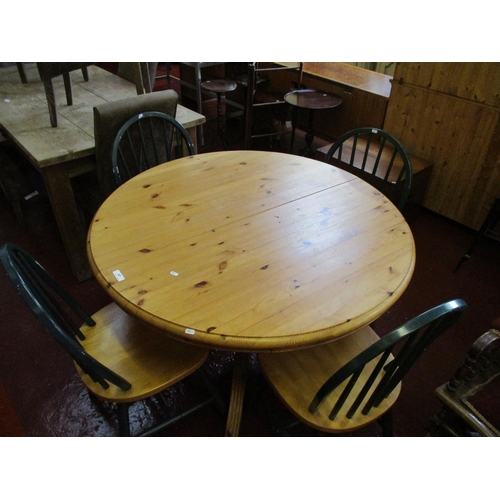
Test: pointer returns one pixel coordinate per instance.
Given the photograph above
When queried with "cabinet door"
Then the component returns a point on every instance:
(474, 81)
(461, 138)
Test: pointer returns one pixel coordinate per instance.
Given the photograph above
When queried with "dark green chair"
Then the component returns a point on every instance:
(146, 140)
(378, 158)
(120, 359)
(347, 384)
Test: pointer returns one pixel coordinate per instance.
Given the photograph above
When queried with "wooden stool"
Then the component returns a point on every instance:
(220, 87)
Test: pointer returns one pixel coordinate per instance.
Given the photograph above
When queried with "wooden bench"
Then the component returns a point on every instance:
(421, 170)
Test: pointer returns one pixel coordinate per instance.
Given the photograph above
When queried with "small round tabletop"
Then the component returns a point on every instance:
(219, 85)
(312, 99)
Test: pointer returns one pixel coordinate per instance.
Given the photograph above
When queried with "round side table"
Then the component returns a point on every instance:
(311, 100)
(220, 87)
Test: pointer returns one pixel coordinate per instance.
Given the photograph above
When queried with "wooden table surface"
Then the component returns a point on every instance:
(251, 250)
(67, 150)
(312, 99)
(350, 76)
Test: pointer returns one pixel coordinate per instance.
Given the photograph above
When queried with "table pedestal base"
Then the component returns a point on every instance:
(240, 376)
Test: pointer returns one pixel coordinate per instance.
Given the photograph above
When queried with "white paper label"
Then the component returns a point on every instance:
(118, 275)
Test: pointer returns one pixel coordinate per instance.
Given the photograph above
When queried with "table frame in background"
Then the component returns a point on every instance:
(63, 152)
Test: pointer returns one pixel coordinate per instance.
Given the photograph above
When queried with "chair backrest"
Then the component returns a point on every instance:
(109, 117)
(480, 367)
(146, 140)
(55, 309)
(378, 158)
(415, 336)
(142, 74)
(49, 70)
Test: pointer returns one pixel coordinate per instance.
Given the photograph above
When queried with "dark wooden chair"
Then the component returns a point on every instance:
(378, 158)
(146, 140)
(461, 397)
(119, 359)
(50, 70)
(344, 385)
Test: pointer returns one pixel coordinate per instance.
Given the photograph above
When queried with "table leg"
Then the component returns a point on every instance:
(240, 374)
(308, 150)
(294, 126)
(73, 234)
(194, 137)
(199, 99)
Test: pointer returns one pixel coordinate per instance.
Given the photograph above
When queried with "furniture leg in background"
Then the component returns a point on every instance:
(488, 229)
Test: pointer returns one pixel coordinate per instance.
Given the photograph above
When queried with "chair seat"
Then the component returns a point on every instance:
(297, 375)
(146, 357)
(219, 86)
(418, 164)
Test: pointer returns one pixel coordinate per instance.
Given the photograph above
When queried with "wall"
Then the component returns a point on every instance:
(449, 113)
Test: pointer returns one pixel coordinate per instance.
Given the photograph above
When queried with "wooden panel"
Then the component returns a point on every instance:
(461, 138)
(476, 81)
(350, 76)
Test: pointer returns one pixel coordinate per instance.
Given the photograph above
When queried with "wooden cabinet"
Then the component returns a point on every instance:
(449, 113)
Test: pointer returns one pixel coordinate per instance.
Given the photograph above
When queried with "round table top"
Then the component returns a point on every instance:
(251, 250)
(312, 99)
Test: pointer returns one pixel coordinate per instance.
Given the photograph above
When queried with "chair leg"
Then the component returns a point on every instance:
(220, 406)
(22, 73)
(491, 221)
(123, 420)
(67, 88)
(461, 261)
(387, 424)
(51, 102)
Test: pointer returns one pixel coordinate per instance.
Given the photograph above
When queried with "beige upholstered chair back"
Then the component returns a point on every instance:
(108, 119)
(142, 74)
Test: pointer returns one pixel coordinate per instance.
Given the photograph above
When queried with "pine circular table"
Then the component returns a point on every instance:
(251, 251)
